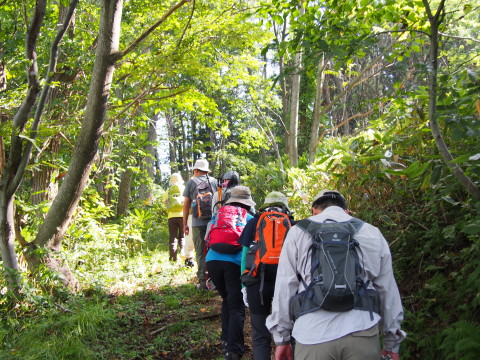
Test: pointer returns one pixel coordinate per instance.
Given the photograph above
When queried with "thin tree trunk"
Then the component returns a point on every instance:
(435, 21)
(183, 145)
(316, 111)
(295, 104)
(20, 153)
(172, 149)
(148, 163)
(124, 186)
(56, 223)
(43, 188)
(284, 90)
(124, 192)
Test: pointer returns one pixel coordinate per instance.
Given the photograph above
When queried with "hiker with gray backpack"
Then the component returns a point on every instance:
(198, 195)
(335, 289)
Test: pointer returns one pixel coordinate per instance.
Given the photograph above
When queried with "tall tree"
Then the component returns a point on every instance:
(435, 20)
(57, 220)
(21, 150)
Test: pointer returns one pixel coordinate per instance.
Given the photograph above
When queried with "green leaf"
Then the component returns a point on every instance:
(415, 169)
(472, 228)
(435, 177)
(460, 159)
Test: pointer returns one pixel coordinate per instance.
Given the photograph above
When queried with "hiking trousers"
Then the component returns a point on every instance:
(261, 336)
(225, 276)
(199, 243)
(175, 229)
(360, 345)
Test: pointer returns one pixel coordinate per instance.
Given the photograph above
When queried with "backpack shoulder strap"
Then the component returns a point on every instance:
(304, 225)
(357, 223)
(196, 181)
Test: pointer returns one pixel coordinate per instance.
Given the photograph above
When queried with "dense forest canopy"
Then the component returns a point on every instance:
(378, 99)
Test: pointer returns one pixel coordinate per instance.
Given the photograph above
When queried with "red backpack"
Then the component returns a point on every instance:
(227, 228)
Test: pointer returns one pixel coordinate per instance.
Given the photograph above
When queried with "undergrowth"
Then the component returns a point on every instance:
(134, 304)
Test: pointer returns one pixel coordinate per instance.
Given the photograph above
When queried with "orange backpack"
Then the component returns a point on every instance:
(272, 227)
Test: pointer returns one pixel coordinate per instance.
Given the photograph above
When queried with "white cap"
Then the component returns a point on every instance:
(202, 165)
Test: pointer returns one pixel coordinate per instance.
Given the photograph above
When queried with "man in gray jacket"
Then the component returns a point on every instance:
(199, 225)
(321, 334)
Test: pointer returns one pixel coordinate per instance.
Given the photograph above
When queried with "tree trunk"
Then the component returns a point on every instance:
(284, 91)
(20, 151)
(148, 163)
(124, 192)
(43, 188)
(172, 149)
(184, 147)
(294, 105)
(58, 218)
(7, 231)
(316, 111)
(435, 21)
(3, 75)
(293, 118)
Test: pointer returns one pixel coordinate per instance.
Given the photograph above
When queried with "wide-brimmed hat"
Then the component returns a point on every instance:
(325, 195)
(275, 198)
(242, 195)
(176, 178)
(202, 165)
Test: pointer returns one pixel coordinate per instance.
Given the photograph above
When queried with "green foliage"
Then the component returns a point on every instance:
(461, 341)
(59, 335)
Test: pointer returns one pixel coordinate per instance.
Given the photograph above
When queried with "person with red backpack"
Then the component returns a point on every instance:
(223, 260)
(262, 240)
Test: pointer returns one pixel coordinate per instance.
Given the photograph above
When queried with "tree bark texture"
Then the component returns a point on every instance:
(435, 21)
(11, 176)
(43, 188)
(316, 111)
(295, 105)
(148, 163)
(56, 223)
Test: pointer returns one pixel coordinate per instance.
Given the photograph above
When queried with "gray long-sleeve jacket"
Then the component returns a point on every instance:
(322, 326)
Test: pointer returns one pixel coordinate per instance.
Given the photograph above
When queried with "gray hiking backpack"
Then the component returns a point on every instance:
(336, 273)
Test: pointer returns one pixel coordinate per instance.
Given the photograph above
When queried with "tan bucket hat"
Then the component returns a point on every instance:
(242, 195)
(202, 165)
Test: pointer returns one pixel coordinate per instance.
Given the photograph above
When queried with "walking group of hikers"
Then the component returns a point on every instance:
(320, 288)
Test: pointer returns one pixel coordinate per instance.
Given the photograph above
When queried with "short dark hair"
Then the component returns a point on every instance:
(233, 181)
(331, 198)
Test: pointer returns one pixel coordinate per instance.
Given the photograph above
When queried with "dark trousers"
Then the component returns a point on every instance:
(175, 229)
(261, 337)
(226, 277)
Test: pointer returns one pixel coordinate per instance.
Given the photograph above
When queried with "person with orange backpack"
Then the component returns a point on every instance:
(223, 264)
(262, 240)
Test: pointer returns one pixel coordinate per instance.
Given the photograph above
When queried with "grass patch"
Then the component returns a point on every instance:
(134, 305)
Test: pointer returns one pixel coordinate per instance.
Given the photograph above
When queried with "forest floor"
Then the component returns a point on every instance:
(206, 319)
(176, 321)
(136, 307)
